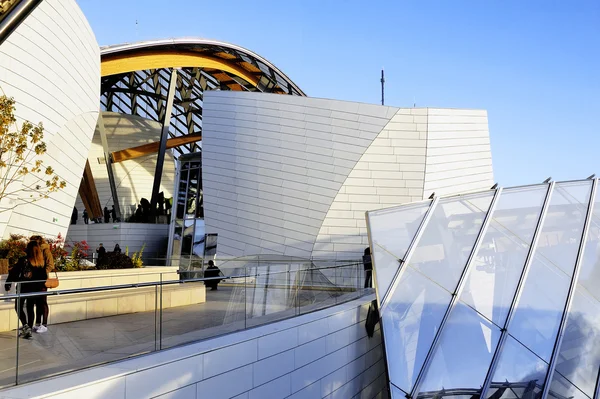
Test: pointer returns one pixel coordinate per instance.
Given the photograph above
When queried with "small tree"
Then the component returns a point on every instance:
(20, 153)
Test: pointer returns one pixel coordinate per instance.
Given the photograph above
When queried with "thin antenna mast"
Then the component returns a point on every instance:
(382, 85)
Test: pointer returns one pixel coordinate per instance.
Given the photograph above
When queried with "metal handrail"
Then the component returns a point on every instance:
(155, 283)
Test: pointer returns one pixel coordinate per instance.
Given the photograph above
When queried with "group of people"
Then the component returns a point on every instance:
(31, 272)
(108, 215)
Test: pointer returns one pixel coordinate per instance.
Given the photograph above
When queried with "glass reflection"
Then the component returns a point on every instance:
(463, 356)
(449, 236)
(498, 264)
(538, 313)
(392, 231)
(519, 373)
(561, 388)
(579, 356)
(410, 322)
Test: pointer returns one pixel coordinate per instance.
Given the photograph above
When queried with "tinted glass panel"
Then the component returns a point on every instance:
(498, 264)
(519, 373)
(462, 358)
(410, 322)
(544, 294)
(392, 231)
(449, 236)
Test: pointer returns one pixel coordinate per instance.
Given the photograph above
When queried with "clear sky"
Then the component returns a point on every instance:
(534, 65)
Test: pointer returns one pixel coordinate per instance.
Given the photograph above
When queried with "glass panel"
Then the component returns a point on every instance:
(449, 236)
(498, 264)
(392, 231)
(397, 393)
(272, 292)
(199, 238)
(538, 313)
(188, 236)
(181, 194)
(192, 194)
(222, 311)
(519, 373)
(561, 388)
(8, 337)
(461, 360)
(103, 336)
(589, 274)
(540, 308)
(410, 322)
(579, 357)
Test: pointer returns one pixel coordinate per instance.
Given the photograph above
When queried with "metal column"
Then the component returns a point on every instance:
(109, 168)
(166, 123)
(518, 291)
(571, 292)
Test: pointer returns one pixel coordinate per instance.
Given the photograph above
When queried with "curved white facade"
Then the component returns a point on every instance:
(294, 175)
(51, 65)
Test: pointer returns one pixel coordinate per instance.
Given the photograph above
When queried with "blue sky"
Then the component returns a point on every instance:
(533, 64)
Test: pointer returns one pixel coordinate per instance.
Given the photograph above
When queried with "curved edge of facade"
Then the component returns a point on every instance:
(294, 175)
(50, 64)
(191, 41)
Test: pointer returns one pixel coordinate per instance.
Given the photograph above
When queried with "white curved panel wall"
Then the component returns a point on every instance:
(295, 175)
(273, 164)
(134, 177)
(51, 65)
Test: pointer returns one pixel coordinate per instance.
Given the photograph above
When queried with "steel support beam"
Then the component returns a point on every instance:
(15, 15)
(456, 294)
(164, 136)
(109, 167)
(571, 292)
(518, 292)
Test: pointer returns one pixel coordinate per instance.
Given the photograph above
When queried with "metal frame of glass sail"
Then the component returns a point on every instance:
(585, 210)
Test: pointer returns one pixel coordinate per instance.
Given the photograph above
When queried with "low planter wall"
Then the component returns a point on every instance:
(73, 307)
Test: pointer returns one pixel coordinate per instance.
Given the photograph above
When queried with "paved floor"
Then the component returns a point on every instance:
(75, 345)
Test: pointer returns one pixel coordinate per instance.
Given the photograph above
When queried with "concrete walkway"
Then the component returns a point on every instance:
(76, 345)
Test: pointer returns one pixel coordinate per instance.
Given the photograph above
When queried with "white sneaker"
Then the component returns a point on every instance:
(35, 328)
(41, 329)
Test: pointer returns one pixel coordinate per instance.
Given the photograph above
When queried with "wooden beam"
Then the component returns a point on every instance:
(89, 194)
(141, 60)
(151, 148)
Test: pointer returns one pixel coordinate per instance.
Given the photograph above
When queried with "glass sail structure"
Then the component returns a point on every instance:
(491, 294)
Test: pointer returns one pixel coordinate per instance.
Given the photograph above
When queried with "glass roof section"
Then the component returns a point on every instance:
(491, 294)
